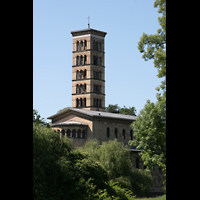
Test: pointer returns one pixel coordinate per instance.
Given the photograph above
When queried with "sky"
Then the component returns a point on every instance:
(130, 81)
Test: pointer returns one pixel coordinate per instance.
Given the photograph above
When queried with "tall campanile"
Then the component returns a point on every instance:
(88, 69)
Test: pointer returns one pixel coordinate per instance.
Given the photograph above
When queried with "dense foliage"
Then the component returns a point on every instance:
(114, 108)
(150, 132)
(115, 158)
(59, 172)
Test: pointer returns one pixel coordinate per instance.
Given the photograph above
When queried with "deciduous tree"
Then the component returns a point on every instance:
(153, 46)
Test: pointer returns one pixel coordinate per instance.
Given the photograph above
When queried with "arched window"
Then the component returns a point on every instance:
(68, 133)
(81, 45)
(81, 74)
(115, 132)
(81, 102)
(95, 88)
(81, 88)
(99, 75)
(123, 133)
(98, 90)
(99, 46)
(85, 44)
(79, 133)
(78, 47)
(85, 59)
(131, 134)
(99, 103)
(83, 134)
(63, 132)
(98, 61)
(94, 102)
(81, 61)
(84, 102)
(137, 163)
(77, 60)
(84, 74)
(77, 89)
(77, 102)
(73, 133)
(108, 132)
(77, 75)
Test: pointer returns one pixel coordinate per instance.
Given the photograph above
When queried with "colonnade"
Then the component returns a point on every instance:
(73, 133)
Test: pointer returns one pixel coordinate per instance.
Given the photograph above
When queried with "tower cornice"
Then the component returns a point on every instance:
(88, 31)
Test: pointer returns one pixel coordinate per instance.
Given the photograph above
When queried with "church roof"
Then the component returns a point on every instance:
(88, 31)
(72, 122)
(93, 113)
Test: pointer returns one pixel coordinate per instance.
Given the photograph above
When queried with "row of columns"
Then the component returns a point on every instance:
(73, 133)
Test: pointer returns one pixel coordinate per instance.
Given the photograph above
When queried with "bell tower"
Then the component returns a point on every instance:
(88, 69)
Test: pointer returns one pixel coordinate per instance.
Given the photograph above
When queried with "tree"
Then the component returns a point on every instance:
(150, 126)
(63, 109)
(154, 46)
(115, 158)
(114, 108)
(61, 173)
(150, 133)
(37, 119)
(128, 111)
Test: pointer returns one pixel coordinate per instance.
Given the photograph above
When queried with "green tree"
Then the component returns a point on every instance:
(154, 46)
(114, 108)
(112, 155)
(150, 133)
(37, 119)
(61, 173)
(63, 109)
(128, 111)
(115, 158)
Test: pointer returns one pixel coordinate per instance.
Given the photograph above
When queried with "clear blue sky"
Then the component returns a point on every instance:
(130, 80)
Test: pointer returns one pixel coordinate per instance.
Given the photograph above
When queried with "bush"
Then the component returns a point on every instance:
(139, 181)
(116, 160)
(112, 155)
(115, 192)
(61, 173)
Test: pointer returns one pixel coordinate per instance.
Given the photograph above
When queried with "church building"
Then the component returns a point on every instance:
(87, 119)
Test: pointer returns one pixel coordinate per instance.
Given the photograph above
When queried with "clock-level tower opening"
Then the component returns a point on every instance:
(88, 69)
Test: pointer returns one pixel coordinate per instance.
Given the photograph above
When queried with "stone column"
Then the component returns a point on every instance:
(70, 133)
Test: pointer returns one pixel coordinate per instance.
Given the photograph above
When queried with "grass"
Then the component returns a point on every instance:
(153, 198)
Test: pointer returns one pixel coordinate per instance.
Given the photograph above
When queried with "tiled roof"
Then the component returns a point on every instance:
(69, 123)
(96, 114)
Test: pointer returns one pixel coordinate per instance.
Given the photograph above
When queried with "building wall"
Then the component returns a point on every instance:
(79, 118)
(101, 125)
